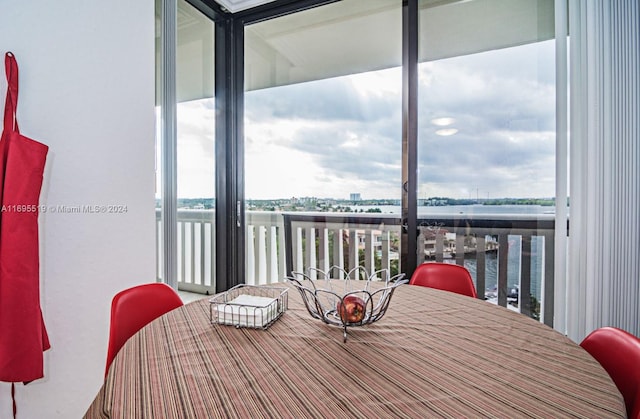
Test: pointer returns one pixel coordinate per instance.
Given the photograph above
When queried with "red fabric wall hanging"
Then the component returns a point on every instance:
(23, 336)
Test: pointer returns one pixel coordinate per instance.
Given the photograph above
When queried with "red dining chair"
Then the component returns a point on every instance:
(444, 276)
(619, 354)
(134, 308)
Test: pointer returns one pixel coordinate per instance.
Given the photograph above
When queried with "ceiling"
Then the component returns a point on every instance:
(303, 46)
(346, 37)
(237, 5)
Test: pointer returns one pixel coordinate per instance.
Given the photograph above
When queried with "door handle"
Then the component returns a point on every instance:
(238, 213)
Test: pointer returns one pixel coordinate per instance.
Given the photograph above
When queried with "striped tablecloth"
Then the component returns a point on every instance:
(433, 354)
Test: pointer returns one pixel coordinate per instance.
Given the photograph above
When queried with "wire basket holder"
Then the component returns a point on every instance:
(346, 299)
(249, 306)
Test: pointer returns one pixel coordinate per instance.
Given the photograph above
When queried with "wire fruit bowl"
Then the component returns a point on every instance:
(346, 300)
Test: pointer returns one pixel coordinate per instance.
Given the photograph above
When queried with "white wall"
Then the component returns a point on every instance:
(87, 91)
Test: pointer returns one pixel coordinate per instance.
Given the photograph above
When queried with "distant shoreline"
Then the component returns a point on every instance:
(386, 206)
(461, 209)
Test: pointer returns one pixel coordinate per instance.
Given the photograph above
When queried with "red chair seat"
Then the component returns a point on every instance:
(134, 308)
(619, 354)
(444, 276)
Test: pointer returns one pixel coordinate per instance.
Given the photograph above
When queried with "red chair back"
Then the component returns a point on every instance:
(619, 354)
(134, 308)
(444, 276)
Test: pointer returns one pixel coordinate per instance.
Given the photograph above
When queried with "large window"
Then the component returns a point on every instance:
(319, 132)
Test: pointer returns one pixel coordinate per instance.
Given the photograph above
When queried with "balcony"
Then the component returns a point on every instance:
(506, 254)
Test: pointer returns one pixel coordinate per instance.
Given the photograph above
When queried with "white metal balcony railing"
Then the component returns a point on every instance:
(505, 254)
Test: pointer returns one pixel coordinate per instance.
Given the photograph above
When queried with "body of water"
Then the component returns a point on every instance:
(513, 267)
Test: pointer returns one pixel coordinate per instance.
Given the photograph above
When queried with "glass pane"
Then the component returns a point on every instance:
(195, 152)
(486, 150)
(323, 138)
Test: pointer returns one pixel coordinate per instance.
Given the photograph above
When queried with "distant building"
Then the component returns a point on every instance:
(355, 197)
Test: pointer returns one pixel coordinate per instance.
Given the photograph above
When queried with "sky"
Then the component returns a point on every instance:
(333, 137)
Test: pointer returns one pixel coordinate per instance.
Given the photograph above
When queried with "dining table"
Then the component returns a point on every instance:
(433, 354)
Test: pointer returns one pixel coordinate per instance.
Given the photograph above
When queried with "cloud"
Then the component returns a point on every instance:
(504, 112)
(337, 99)
(330, 138)
(196, 150)
(349, 130)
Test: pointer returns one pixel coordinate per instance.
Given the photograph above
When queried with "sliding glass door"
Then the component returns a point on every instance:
(486, 144)
(322, 144)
